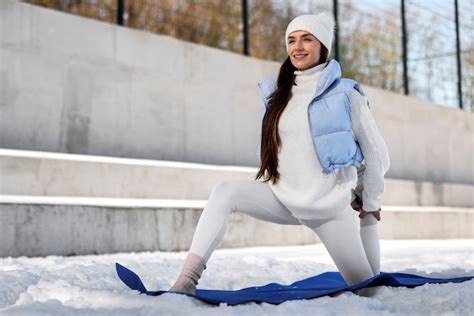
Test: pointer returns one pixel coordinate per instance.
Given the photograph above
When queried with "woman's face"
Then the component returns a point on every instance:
(304, 49)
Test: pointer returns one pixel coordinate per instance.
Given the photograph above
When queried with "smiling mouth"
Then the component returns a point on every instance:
(299, 56)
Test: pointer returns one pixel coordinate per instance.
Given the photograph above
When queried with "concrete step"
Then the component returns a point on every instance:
(40, 225)
(57, 174)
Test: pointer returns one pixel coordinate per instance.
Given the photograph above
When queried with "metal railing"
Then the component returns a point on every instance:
(423, 49)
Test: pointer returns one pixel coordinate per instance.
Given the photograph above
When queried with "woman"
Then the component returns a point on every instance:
(322, 157)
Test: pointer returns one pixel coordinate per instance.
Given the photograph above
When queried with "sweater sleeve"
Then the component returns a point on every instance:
(259, 144)
(370, 184)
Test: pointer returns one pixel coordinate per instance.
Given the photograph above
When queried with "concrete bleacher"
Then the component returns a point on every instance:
(37, 173)
(54, 203)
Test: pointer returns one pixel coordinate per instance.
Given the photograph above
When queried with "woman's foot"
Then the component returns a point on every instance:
(191, 273)
(184, 284)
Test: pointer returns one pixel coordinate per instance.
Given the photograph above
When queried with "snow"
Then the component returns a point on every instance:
(88, 285)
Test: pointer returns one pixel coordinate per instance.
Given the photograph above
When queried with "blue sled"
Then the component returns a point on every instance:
(328, 283)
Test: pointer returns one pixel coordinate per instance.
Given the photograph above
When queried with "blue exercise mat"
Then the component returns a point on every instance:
(327, 283)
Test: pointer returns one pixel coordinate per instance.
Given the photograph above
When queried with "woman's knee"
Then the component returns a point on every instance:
(226, 192)
(224, 188)
(357, 276)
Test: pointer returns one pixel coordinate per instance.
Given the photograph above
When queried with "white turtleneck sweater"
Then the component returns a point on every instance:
(303, 188)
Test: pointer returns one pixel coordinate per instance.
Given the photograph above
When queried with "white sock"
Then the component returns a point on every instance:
(191, 272)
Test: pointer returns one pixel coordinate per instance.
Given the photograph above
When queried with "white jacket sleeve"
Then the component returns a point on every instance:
(259, 143)
(370, 186)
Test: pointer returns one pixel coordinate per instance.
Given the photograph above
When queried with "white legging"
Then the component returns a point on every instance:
(355, 252)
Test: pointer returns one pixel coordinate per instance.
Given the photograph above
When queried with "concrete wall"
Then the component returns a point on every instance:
(75, 85)
(93, 230)
(88, 229)
(83, 86)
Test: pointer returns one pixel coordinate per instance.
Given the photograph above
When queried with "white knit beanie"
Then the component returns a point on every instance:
(321, 25)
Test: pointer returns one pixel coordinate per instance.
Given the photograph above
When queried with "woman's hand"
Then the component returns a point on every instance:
(357, 205)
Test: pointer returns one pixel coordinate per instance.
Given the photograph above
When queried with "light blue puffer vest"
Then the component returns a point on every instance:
(329, 115)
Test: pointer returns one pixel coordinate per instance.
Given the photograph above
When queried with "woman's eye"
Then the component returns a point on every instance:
(305, 39)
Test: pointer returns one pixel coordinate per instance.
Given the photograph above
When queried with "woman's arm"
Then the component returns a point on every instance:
(377, 160)
(259, 143)
(357, 191)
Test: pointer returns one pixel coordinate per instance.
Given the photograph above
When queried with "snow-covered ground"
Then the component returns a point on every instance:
(87, 285)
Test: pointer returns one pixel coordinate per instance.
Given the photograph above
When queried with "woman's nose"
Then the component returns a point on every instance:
(299, 44)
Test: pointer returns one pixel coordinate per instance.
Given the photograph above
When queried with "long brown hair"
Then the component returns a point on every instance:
(270, 139)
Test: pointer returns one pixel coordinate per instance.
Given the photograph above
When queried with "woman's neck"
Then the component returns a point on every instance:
(311, 70)
(308, 75)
